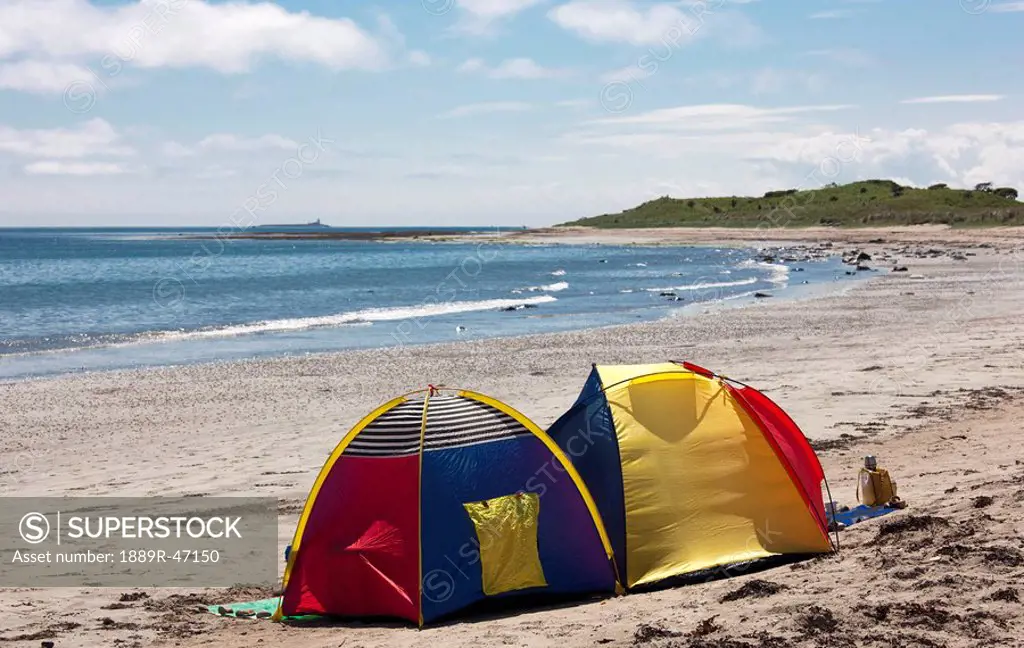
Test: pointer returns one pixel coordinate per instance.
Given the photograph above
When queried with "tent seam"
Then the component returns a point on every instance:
(602, 391)
(419, 511)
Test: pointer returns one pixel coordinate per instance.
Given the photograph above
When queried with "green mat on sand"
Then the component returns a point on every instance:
(263, 605)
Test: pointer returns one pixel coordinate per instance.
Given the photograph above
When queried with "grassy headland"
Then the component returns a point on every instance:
(858, 204)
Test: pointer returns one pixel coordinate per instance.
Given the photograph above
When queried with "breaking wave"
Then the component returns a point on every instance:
(555, 287)
(778, 273)
(365, 317)
(706, 286)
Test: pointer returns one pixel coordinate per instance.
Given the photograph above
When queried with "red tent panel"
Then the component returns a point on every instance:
(790, 443)
(359, 554)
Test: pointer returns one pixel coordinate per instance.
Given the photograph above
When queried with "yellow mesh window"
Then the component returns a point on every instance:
(506, 528)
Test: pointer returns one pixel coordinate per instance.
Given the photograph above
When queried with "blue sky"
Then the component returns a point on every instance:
(489, 111)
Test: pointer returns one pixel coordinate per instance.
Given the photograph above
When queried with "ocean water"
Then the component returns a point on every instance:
(90, 299)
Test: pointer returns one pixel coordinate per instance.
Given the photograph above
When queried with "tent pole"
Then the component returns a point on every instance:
(829, 491)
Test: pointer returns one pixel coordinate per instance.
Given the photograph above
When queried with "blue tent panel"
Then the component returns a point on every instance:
(569, 547)
(587, 429)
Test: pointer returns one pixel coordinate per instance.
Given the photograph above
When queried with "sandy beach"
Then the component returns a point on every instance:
(923, 369)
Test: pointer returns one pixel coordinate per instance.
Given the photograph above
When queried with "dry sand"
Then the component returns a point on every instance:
(923, 372)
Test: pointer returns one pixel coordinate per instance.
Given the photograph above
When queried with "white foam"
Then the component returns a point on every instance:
(705, 286)
(778, 273)
(555, 287)
(750, 293)
(558, 273)
(354, 318)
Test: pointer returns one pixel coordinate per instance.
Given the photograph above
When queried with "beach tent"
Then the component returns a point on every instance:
(691, 471)
(435, 501)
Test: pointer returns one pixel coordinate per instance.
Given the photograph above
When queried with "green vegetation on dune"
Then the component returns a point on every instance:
(859, 204)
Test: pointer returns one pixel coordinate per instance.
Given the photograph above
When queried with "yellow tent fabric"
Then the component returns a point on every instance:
(702, 487)
(612, 375)
(506, 528)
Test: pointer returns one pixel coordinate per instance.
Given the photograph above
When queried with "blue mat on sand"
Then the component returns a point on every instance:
(861, 513)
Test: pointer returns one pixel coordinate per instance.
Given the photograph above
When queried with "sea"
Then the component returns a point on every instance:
(74, 300)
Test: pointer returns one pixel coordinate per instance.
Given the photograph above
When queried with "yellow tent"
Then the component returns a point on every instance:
(691, 471)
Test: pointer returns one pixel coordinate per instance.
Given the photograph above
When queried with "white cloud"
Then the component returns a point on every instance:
(771, 148)
(574, 103)
(479, 16)
(661, 27)
(176, 150)
(953, 99)
(718, 80)
(226, 37)
(524, 68)
(710, 117)
(492, 9)
(618, 168)
(40, 76)
(419, 58)
(516, 68)
(626, 22)
(627, 74)
(219, 143)
(472, 65)
(91, 138)
(848, 56)
(229, 142)
(215, 172)
(963, 154)
(833, 14)
(771, 80)
(52, 167)
(1007, 7)
(488, 107)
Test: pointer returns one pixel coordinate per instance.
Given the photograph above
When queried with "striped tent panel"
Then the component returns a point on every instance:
(452, 422)
(395, 433)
